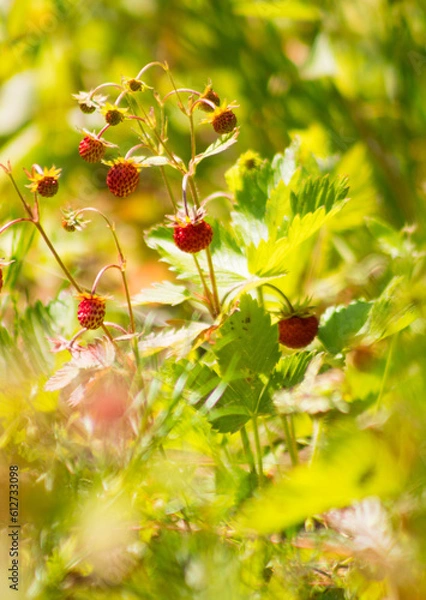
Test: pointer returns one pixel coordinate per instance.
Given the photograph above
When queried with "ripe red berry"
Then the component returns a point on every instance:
(123, 177)
(91, 150)
(224, 121)
(297, 331)
(91, 311)
(193, 237)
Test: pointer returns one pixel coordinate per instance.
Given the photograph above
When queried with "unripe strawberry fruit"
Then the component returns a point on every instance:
(47, 187)
(91, 311)
(224, 121)
(91, 150)
(114, 117)
(87, 108)
(296, 331)
(209, 94)
(123, 177)
(193, 237)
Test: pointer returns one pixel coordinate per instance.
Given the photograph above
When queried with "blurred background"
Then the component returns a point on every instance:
(345, 76)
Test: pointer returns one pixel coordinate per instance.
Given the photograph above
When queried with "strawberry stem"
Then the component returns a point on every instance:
(213, 282)
(99, 275)
(207, 292)
(317, 428)
(122, 260)
(247, 449)
(290, 442)
(163, 65)
(258, 450)
(15, 222)
(287, 301)
(184, 198)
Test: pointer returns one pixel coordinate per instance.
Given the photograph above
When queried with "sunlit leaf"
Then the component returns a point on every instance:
(176, 342)
(339, 325)
(162, 293)
(249, 335)
(220, 145)
(334, 481)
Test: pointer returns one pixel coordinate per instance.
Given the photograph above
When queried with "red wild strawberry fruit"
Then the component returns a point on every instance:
(224, 121)
(91, 311)
(192, 235)
(91, 149)
(297, 331)
(123, 177)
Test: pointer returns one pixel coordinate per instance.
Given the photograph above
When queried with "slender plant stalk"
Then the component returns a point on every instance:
(247, 449)
(193, 142)
(386, 371)
(213, 282)
(316, 436)
(290, 442)
(122, 259)
(258, 450)
(207, 292)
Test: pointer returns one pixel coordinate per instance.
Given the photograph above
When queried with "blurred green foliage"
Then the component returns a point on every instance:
(349, 80)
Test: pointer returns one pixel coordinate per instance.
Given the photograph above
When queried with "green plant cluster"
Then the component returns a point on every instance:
(195, 456)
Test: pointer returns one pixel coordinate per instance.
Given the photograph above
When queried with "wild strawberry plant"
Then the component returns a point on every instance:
(225, 432)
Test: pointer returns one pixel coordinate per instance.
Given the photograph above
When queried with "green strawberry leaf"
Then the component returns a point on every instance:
(269, 257)
(165, 292)
(316, 193)
(284, 166)
(340, 325)
(392, 311)
(291, 369)
(220, 145)
(176, 342)
(249, 180)
(248, 336)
